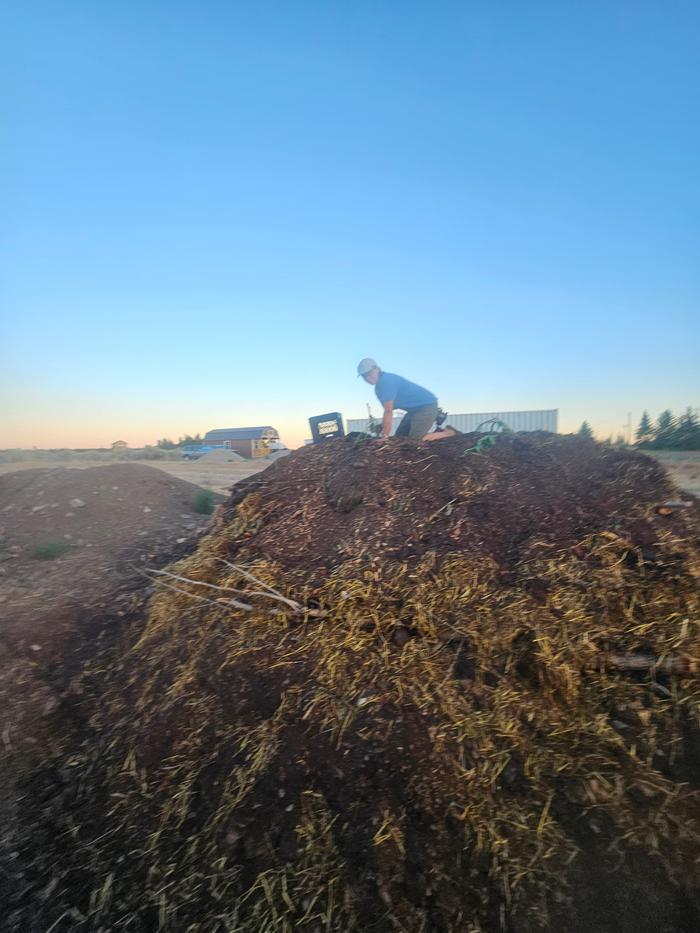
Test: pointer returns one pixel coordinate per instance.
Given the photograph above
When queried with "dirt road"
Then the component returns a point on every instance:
(683, 467)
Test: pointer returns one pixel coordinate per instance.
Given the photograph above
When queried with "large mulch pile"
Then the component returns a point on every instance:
(401, 686)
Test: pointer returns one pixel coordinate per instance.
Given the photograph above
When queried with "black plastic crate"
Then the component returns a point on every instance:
(326, 427)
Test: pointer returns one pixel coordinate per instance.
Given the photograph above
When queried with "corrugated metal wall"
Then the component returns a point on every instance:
(545, 420)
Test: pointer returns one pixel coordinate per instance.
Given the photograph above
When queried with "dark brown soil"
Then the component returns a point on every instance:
(397, 500)
(432, 743)
(108, 519)
(97, 527)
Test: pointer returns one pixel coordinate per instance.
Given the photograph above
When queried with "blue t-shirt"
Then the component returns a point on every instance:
(404, 394)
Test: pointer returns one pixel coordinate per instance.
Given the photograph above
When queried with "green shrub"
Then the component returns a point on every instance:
(204, 502)
(48, 550)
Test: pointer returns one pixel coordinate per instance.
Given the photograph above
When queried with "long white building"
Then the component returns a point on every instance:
(543, 420)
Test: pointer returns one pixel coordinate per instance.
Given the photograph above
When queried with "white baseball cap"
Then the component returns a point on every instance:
(367, 365)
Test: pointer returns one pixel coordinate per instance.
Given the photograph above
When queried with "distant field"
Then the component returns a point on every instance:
(683, 467)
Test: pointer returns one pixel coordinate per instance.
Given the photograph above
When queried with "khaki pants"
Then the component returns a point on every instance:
(417, 422)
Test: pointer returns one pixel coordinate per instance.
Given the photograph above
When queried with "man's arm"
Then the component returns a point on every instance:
(387, 418)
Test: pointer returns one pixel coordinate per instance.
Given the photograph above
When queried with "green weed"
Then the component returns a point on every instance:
(49, 550)
(204, 502)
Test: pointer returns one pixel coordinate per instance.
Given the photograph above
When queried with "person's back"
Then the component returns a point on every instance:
(405, 394)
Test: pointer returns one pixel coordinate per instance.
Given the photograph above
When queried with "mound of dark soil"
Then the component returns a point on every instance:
(70, 537)
(398, 500)
(400, 686)
(71, 544)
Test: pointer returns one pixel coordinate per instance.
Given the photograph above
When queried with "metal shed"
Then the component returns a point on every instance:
(248, 442)
(540, 420)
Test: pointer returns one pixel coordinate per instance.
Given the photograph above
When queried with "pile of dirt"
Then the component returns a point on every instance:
(72, 545)
(68, 537)
(397, 501)
(222, 456)
(400, 686)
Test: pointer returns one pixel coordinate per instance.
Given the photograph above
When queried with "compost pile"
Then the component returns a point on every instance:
(401, 686)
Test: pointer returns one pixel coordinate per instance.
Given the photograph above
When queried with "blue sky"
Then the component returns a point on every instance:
(212, 210)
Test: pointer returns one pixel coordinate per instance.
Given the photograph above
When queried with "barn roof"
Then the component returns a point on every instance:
(240, 434)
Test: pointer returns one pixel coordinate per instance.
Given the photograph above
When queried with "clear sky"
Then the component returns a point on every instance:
(212, 210)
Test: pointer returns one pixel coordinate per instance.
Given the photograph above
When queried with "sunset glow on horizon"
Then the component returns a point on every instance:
(212, 213)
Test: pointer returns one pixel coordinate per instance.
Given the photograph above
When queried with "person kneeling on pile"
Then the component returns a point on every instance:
(393, 391)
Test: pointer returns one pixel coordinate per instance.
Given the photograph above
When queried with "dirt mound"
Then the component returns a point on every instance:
(222, 456)
(66, 535)
(396, 501)
(71, 545)
(400, 687)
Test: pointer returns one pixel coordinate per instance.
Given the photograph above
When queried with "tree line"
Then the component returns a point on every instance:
(166, 444)
(668, 432)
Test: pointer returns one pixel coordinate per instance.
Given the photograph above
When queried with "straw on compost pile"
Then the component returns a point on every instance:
(431, 732)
